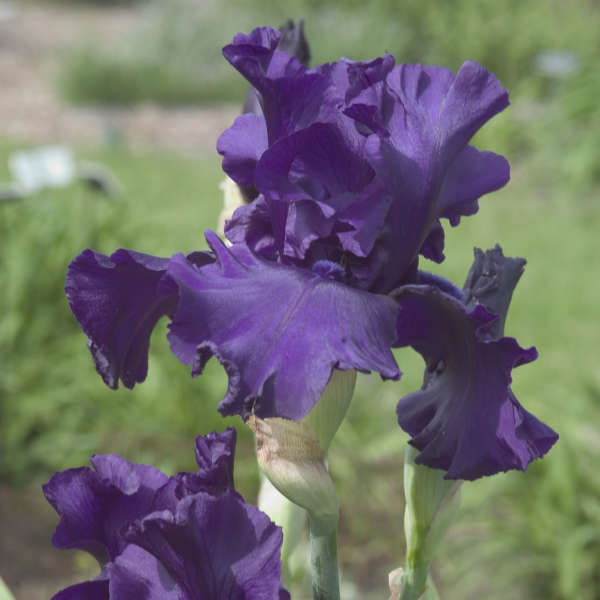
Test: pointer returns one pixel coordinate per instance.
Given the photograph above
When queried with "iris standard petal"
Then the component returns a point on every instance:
(278, 330)
(425, 162)
(117, 303)
(241, 146)
(466, 419)
(292, 97)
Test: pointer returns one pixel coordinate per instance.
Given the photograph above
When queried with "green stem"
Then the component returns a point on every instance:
(323, 559)
(413, 583)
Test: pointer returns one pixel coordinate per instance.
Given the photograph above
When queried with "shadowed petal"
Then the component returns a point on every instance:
(278, 330)
(80, 498)
(137, 574)
(466, 419)
(88, 590)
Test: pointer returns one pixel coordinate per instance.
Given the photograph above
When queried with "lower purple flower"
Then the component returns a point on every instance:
(187, 537)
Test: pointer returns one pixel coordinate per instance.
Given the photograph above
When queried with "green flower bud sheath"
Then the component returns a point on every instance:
(432, 504)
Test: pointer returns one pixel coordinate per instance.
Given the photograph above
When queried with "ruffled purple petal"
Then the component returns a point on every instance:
(251, 54)
(215, 548)
(315, 155)
(117, 305)
(466, 419)
(291, 96)
(278, 330)
(327, 186)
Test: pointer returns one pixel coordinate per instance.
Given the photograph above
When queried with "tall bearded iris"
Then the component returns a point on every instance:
(354, 165)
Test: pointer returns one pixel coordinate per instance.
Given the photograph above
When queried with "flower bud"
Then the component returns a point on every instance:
(292, 454)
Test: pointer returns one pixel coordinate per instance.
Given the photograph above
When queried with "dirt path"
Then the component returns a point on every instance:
(32, 40)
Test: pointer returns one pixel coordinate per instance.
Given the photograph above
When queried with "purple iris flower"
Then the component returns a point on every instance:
(354, 166)
(187, 537)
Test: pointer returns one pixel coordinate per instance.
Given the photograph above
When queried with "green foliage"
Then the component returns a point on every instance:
(176, 54)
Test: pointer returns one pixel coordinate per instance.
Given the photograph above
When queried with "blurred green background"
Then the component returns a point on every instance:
(519, 536)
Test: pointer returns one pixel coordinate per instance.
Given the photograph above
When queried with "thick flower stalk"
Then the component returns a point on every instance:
(187, 537)
(355, 164)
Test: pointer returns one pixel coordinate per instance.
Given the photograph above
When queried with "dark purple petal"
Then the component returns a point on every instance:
(433, 246)
(466, 419)
(137, 574)
(88, 590)
(80, 497)
(117, 305)
(215, 548)
(278, 330)
(369, 102)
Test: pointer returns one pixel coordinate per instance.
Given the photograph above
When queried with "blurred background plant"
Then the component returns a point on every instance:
(519, 536)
